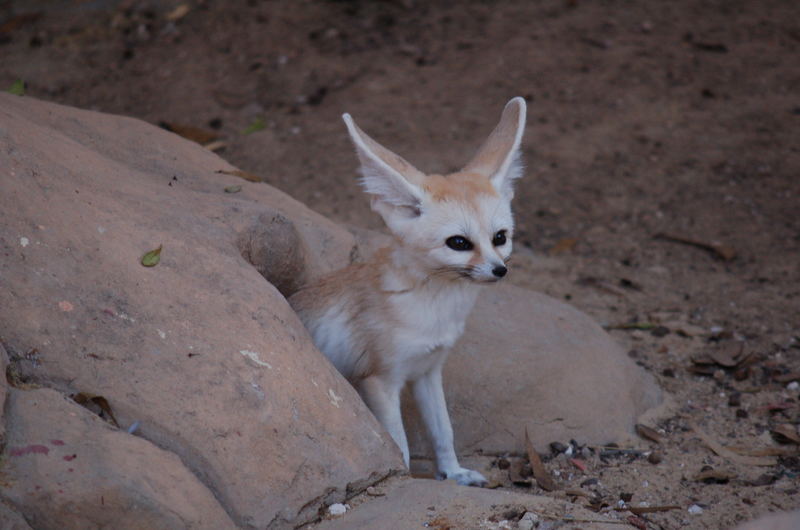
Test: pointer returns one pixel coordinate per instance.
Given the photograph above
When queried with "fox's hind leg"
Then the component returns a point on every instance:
(429, 395)
(383, 399)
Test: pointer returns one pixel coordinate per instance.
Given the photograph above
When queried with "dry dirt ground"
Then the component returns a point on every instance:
(679, 118)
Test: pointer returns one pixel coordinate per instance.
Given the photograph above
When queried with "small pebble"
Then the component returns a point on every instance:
(503, 463)
(794, 385)
(695, 509)
(735, 400)
(557, 447)
(528, 521)
(655, 458)
(337, 509)
(741, 413)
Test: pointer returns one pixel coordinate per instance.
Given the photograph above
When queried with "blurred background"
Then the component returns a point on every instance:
(644, 117)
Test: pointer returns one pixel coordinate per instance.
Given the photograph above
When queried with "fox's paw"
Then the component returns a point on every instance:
(464, 477)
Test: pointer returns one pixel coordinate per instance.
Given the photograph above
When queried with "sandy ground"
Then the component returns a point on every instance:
(645, 119)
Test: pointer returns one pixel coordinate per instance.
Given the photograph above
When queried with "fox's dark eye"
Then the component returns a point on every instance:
(459, 243)
(499, 238)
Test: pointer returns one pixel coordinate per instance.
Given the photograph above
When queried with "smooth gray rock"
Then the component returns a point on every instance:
(65, 468)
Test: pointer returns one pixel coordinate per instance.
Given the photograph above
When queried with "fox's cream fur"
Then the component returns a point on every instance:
(393, 319)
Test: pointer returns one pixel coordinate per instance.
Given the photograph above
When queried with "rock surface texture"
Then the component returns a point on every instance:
(200, 350)
(235, 418)
(417, 503)
(72, 470)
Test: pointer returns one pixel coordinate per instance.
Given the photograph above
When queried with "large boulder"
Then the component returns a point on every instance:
(529, 361)
(67, 468)
(200, 351)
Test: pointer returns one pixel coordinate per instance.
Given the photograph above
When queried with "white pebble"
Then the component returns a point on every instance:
(337, 509)
(24, 241)
(528, 521)
(794, 385)
(695, 509)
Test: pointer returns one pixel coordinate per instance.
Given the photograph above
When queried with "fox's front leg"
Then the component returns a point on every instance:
(429, 394)
(382, 396)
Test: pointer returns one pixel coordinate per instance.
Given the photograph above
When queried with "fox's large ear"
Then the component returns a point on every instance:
(499, 157)
(387, 176)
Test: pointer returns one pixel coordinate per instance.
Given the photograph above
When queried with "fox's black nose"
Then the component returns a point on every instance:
(499, 271)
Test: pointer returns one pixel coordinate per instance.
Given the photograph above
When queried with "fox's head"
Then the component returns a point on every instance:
(457, 225)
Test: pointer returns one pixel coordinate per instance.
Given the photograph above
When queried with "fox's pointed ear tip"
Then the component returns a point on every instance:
(519, 100)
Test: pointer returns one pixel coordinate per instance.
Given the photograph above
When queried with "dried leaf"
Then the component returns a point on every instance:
(648, 432)
(541, 474)
(563, 245)
(765, 451)
(85, 399)
(723, 252)
(730, 455)
(777, 407)
(216, 146)
(151, 259)
(195, 134)
(231, 99)
(702, 369)
(257, 125)
(17, 88)
(729, 355)
(178, 13)
(600, 285)
(711, 476)
(578, 493)
(241, 174)
(233, 189)
(580, 464)
(702, 358)
(786, 433)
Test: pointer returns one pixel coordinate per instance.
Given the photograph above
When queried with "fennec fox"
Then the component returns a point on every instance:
(393, 319)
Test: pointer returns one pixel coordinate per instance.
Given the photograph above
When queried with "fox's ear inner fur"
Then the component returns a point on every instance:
(387, 176)
(499, 157)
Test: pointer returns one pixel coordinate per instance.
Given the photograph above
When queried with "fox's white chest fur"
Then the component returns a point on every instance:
(392, 320)
(429, 320)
